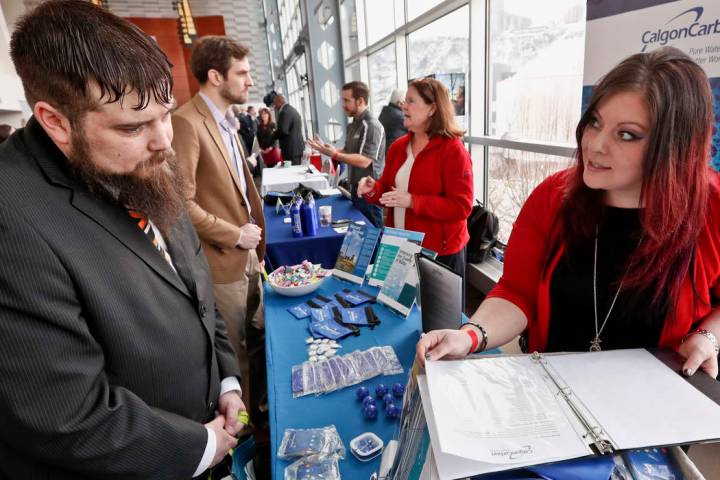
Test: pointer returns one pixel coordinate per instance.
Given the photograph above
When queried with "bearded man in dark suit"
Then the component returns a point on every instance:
(113, 359)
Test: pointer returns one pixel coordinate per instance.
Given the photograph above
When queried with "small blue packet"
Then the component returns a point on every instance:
(300, 311)
(355, 316)
(322, 325)
(355, 298)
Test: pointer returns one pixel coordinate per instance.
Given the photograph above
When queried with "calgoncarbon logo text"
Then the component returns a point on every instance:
(684, 25)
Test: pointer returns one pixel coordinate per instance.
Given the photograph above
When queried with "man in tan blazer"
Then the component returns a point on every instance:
(223, 202)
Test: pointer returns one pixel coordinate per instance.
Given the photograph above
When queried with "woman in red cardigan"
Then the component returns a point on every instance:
(427, 183)
(623, 250)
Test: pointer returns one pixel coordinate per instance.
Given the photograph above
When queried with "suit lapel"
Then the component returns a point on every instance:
(181, 255)
(118, 223)
(214, 131)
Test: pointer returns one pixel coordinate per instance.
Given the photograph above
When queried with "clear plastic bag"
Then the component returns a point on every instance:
(314, 467)
(311, 441)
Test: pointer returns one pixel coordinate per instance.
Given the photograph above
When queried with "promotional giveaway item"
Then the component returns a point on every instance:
(314, 467)
(296, 216)
(311, 441)
(297, 280)
(309, 217)
(392, 239)
(356, 252)
(338, 372)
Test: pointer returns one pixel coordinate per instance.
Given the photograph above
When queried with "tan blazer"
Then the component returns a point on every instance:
(215, 204)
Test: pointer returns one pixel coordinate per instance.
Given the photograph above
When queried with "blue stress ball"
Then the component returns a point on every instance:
(392, 411)
(381, 390)
(388, 399)
(398, 390)
(370, 412)
(368, 401)
(362, 392)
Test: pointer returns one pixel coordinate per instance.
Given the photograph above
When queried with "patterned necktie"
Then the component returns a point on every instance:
(144, 224)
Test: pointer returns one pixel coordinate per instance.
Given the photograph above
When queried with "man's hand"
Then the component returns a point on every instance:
(250, 236)
(223, 440)
(230, 404)
(365, 185)
(322, 147)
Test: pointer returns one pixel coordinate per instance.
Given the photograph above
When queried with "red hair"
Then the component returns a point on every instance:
(675, 183)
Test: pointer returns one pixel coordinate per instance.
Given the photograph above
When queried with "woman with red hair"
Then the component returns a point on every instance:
(622, 250)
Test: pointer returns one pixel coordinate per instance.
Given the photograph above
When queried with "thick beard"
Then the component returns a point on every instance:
(156, 187)
(227, 95)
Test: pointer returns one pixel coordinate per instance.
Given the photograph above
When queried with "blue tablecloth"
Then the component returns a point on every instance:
(285, 343)
(284, 249)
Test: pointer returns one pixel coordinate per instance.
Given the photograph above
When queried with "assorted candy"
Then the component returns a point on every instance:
(298, 275)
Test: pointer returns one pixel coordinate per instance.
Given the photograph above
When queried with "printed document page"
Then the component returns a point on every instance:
(450, 467)
(638, 400)
(501, 411)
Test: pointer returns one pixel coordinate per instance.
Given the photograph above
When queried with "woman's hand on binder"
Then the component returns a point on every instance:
(699, 353)
(437, 344)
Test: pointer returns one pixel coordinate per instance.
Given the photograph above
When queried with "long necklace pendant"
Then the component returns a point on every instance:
(595, 344)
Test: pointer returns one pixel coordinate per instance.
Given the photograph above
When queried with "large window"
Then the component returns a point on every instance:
(517, 73)
(417, 7)
(441, 50)
(381, 25)
(512, 176)
(290, 22)
(348, 21)
(536, 67)
(299, 92)
(383, 76)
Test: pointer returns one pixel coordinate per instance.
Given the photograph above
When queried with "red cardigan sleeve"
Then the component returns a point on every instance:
(387, 179)
(457, 202)
(527, 247)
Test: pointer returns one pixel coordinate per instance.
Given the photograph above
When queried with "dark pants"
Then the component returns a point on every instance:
(372, 212)
(456, 262)
(296, 160)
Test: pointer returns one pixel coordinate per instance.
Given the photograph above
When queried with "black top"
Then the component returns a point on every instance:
(265, 135)
(391, 117)
(632, 323)
(288, 132)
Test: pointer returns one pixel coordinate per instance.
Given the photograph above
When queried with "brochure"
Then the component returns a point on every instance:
(392, 239)
(356, 252)
(400, 286)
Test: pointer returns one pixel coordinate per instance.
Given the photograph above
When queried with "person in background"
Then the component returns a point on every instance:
(392, 118)
(248, 128)
(427, 185)
(288, 130)
(364, 150)
(223, 202)
(5, 131)
(621, 250)
(271, 155)
(114, 361)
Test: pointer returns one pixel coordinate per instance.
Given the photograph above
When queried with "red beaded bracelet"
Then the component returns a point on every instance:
(474, 337)
(335, 155)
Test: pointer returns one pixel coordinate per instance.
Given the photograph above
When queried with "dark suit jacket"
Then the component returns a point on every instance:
(110, 361)
(289, 133)
(391, 117)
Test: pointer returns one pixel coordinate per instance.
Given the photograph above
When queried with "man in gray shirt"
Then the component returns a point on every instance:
(364, 151)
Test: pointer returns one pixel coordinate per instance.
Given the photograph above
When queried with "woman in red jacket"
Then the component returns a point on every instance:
(622, 250)
(427, 183)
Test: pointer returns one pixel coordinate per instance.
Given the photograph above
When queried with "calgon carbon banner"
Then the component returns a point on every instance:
(616, 29)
